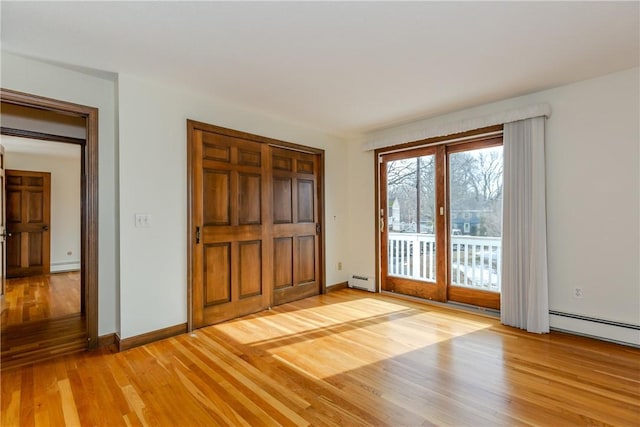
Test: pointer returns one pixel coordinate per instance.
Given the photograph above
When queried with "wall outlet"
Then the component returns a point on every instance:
(577, 293)
(339, 266)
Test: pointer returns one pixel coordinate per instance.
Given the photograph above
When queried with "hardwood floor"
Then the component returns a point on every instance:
(348, 358)
(41, 318)
(41, 297)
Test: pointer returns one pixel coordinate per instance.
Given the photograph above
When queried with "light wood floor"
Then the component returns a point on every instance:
(41, 318)
(40, 297)
(348, 358)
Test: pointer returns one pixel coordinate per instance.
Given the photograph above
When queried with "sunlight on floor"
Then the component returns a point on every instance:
(313, 340)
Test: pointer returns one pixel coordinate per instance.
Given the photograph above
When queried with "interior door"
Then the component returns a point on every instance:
(231, 250)
(296, 226)
(28, 213)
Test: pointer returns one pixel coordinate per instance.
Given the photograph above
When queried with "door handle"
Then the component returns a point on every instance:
(45, 228)
(197, 235)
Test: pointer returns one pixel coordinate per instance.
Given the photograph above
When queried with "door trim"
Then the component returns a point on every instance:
(192, 127)
(89, 195)
(441, 143)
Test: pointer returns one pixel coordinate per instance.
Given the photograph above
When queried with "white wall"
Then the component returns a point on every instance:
(65, 203)
(53, 81)
(153, 180)
(362, 209)
(593, 199)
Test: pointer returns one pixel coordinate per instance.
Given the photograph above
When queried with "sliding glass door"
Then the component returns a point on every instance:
(409, 200)
(441, 220)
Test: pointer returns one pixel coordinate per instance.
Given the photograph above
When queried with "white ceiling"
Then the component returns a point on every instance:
(342, 67)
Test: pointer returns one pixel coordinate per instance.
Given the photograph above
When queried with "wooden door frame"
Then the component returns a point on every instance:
(89, 193)
(441, 142)
(192, 127)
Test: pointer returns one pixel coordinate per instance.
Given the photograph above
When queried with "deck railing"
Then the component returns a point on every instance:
(475, 261)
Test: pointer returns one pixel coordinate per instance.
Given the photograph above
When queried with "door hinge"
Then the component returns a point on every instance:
(318, 228)
(197, 235)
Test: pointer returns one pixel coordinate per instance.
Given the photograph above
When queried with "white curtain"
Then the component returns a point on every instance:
(524, 293)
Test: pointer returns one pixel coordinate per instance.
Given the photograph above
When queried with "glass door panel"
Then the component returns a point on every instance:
(411, 206)
(409, 259)
(475, 224)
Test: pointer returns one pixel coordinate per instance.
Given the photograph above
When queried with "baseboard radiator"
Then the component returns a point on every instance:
(365, 283)
(595, 320)
(64, 266)
(607, 330)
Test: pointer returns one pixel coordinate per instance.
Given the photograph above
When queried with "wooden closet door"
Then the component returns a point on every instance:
(295, 232)
(230, 210)
(28, 213)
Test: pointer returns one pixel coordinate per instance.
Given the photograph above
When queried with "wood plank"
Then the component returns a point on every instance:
(41, 297)
(345, 358)
(41, 318)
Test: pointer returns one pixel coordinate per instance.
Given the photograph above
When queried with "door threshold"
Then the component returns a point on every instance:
(452, 305)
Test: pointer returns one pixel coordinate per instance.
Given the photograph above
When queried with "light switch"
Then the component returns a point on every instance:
(143, 220)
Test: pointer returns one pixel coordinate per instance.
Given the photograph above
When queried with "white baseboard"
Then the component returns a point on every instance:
(61, 267)
(605, 330)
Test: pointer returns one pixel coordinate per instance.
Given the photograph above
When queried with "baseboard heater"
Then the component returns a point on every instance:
(595, 320)
(365, 283)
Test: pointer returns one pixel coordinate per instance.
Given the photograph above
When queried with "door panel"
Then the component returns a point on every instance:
(295, 239)
(14, 205)
(282, 262)
(28, 214)
(217, 197)
(250, 269)
(229, 203)
(306, 259)
(305, 201)
(255, 220)
(475, 223)
(282, 200)
(250, 190)
(409, 240)
(217, 279)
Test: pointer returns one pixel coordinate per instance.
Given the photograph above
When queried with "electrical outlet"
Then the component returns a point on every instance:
(339, 266)
(577, 293)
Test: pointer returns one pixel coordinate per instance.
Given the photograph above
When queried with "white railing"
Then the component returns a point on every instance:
(475, 261)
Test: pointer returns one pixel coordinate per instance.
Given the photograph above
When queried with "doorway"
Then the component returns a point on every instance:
(255, 223)
(441, 221)
(26, 342)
